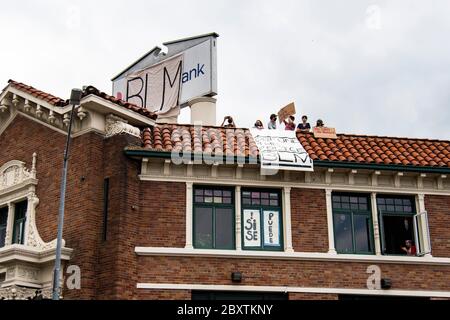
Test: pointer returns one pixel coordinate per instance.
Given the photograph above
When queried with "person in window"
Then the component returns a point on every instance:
(230, 122)
(409, 248)
(304, 126)
(290, 124)
(273, 122)
(259, 124)
(319, 123)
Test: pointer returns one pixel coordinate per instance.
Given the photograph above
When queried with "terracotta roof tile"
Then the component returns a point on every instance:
(346, 148)
(55, 101)
(51, 99)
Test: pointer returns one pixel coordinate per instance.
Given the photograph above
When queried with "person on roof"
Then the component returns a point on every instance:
(290, 124)
(273, 122)
(304, 126)
(320, 123)
(258, 125)
(229, 122)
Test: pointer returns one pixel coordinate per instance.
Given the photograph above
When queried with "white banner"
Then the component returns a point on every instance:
(158, 87)
(271, 228)
(281, 150)
(252, 228)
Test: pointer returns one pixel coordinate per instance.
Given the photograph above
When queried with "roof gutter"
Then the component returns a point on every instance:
(317, 163)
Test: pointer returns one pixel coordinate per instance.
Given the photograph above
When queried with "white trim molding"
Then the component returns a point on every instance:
(375, 224)
(331, 245)
(287, 219)
(275, 255)
(288, 289)
(189, 215)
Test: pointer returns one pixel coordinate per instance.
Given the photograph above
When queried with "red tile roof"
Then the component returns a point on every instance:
(87, 91)
(346, 148)
(145, 112)
(188, 138)
(55, 101)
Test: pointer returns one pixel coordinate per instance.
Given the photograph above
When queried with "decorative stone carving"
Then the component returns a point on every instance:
(27, 106)
(51, 117)
(14, 174)
(15, 100)
(66, 119)
(116, 125)
(23, 293)
(4, 105)
(39, 111)
(81, 113)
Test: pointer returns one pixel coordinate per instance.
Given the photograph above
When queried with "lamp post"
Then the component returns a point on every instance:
(75, 98)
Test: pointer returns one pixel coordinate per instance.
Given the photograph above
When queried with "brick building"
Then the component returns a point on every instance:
(141, 226)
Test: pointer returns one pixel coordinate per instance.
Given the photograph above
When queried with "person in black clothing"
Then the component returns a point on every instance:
(304, 126)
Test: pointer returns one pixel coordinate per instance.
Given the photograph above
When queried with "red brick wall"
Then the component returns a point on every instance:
(312, 296)
(309, 220)
(144, 294)
(163, 214)
(438, 208)
(328, 274)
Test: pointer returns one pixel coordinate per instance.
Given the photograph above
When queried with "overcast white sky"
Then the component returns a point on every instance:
(366, 67)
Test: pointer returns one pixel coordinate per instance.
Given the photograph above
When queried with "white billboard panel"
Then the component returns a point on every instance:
(198, 74)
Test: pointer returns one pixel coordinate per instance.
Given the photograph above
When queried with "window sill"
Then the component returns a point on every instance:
(301, 256)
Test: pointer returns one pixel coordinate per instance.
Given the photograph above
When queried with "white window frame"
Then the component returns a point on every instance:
(286, 217)
(422, 234)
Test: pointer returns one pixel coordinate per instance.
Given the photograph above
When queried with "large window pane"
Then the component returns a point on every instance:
(362, 234)
(213, 218)
(203, 227)
(3, 223)
(262, 220)
(343, 232)
(224, 228)
(353, 223)
(19, 222)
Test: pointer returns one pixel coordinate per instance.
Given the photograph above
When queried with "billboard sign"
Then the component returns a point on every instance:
(196, 77)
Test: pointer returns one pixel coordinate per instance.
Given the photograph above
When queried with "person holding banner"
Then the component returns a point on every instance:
(290, 124)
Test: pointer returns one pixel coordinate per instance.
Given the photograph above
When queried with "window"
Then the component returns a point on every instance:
(262, 227)
(397, 225)
(20, 213)
(352, 221)
(214, 225)
(3, 225)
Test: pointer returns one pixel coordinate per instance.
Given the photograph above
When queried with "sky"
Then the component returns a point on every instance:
(364, 67)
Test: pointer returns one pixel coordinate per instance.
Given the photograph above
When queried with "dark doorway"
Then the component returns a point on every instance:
(238, 295)
(385, 298)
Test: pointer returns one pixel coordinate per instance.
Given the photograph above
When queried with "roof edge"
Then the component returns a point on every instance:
(211, 34)
(317, 163)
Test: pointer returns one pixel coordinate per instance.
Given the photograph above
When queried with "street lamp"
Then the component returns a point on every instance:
(75, 98)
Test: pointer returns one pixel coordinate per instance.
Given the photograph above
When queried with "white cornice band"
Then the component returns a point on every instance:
(274, 255)
(287, 289)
